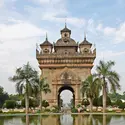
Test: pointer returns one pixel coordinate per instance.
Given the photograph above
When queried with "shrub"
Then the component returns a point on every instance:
(85, 102)
(108, 101)
(122, 105)
(74, 110)
(118, 102)
(1, 111)
(55, 109)
(96, 102)
(78, 106)
(10, 104)
(32, 102)
(45, 103)
(47, 110)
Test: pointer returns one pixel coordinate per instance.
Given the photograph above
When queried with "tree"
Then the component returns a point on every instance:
(96, 102)
(118, 102)
(10, 104)
(32, 102)
(3, 96)
(108, 101)
(90, 88)
(42, 87)
(107, 76)
(16, 97)
(122, 105)
(25, 81)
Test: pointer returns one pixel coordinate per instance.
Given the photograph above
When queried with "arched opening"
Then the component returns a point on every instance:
(67, 89)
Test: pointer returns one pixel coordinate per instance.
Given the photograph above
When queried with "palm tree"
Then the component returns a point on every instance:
(42, 87)
(24, 78)
(107, 76)
(91, 88)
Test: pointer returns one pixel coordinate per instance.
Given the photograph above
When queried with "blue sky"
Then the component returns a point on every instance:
(23, 23)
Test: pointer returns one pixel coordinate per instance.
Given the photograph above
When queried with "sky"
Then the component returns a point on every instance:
(23, 23)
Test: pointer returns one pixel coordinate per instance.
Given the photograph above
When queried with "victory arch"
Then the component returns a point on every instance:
(65, 64)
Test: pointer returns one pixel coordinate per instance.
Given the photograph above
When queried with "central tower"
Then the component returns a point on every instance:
(66, 66)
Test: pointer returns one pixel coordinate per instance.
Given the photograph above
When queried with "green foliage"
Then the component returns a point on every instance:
(108, 101)
(122, 105)
(96, 102)
(74, 110)
(15, 97)
(116, 96)
(91, 87)
(10, 104)
(55, 109)
(25, 79)
(78, 106)
(45, 103)
(107, 77)
(0, 111)
(3, 96)
(47, 110)
(118, 102)
(42, 87)
(104, 69)
(85, 102)
(32, 103)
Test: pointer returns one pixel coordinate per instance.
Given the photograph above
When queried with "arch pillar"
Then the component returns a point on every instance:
(77, 93)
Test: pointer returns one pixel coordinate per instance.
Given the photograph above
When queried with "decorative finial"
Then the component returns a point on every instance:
(84, 35)
(46, 37)
(65, 22)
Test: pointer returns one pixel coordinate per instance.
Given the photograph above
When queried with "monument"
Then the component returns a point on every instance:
(65, 64)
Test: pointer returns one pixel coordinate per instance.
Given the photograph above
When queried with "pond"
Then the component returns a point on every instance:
(63, 120)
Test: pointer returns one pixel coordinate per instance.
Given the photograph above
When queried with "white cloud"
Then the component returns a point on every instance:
(109, 31)
(20, 30)
(74, 21)
(120, 33)
(14, 54)
(78, 22)
(17, 48)
(99, 27)
(117, 34)
(55, 11)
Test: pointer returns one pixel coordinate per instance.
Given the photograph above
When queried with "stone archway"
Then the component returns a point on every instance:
(66, 87)
(64, 63)
(66, 79)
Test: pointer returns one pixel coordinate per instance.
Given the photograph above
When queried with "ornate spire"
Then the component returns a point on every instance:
(46, 37)
(46, 42)
(65, 23)
(84, 35)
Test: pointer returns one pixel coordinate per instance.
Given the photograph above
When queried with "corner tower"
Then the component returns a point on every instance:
(46, 46)
(85, 46)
